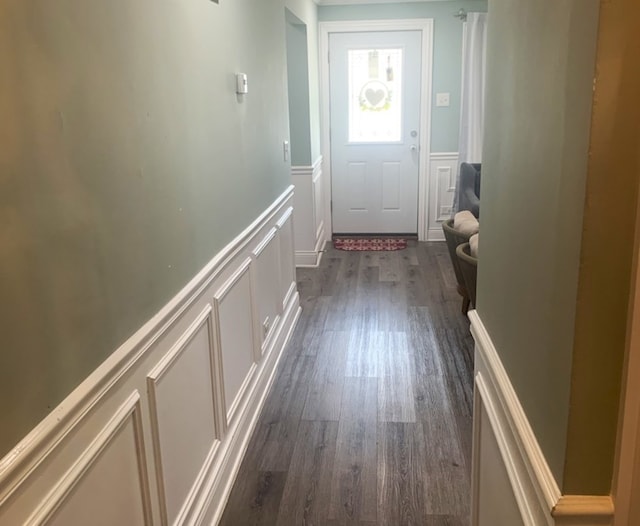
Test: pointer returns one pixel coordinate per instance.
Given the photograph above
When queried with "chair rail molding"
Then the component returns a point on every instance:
(161, 426)
(499, 420)
(308, 215)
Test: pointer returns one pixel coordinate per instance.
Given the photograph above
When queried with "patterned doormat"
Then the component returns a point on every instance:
(378, 244)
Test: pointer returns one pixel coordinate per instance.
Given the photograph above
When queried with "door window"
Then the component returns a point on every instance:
(375, 95)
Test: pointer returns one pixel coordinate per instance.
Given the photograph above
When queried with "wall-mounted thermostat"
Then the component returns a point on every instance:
(241, 83)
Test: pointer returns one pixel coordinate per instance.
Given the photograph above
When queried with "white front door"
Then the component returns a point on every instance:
(375, 131)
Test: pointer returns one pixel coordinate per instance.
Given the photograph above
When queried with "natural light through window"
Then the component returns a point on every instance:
(375, 95)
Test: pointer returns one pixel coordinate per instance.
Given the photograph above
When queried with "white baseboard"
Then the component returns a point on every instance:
(308, 259)
(314, 257)
(160, 428)
(499, 419)
(435, 234)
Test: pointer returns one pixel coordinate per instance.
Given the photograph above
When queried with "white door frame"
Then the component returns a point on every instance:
(425, 26)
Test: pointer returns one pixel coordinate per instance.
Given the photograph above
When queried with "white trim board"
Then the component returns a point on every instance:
(443, 170)
(309, 213)
(444, 156)
(535, 489)
(112, 416)
(425, 25)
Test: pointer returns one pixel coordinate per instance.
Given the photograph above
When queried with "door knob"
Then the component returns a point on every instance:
(413, 148)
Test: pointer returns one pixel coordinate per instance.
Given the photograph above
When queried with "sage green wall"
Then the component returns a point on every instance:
(307, 12)
(541, 57)
(447, 53)
(298, 88)
(127, 163)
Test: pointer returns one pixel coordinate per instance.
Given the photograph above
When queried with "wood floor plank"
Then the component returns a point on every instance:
(367, 290)
(274, 443)
(446, 472)
(336, 522)
(255, 500)
(423, 345)
(389, 263)
(457, 362)
(354, 486)
(364, 352)
(289, 392)
(307, 491)
(344, 296)
(313, 334)
(360, 400)
(447, 275)
(326, 277)
(395, 387)
(431, 400)
(401, 455)
(392, 307)
(416, 286)
(324, 396)
(446, 520)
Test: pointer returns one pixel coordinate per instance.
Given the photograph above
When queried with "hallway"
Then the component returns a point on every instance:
(369, 417)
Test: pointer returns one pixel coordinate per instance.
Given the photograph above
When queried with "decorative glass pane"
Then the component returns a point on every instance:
(375, 95)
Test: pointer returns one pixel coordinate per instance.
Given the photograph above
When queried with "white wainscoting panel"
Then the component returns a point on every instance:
(145, 439)
(499, 504)
(234, 317)
(510, 471)
(308, 215)
(113, 455)
(443, 169)
(286, 258)
(266, 279)
(183, 416)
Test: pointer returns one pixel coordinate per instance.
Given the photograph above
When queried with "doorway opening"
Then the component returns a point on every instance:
(376, 92)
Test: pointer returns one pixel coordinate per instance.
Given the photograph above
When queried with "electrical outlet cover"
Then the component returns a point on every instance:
(442, 99)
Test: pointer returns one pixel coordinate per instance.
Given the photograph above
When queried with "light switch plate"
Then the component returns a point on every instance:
(442, 99)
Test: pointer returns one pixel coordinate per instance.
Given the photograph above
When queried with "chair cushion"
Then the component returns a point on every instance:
(466, 223)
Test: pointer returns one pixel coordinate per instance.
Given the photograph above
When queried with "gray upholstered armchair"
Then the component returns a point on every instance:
(455, 238)
(469, 269)
(469, 193)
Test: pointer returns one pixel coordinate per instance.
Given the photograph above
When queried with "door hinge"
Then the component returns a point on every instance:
(328, 57)
(331, 205)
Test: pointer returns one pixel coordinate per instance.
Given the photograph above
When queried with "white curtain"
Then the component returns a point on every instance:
(474, 45)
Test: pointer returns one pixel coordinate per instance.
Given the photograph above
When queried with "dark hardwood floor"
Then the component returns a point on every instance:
(369, 418)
